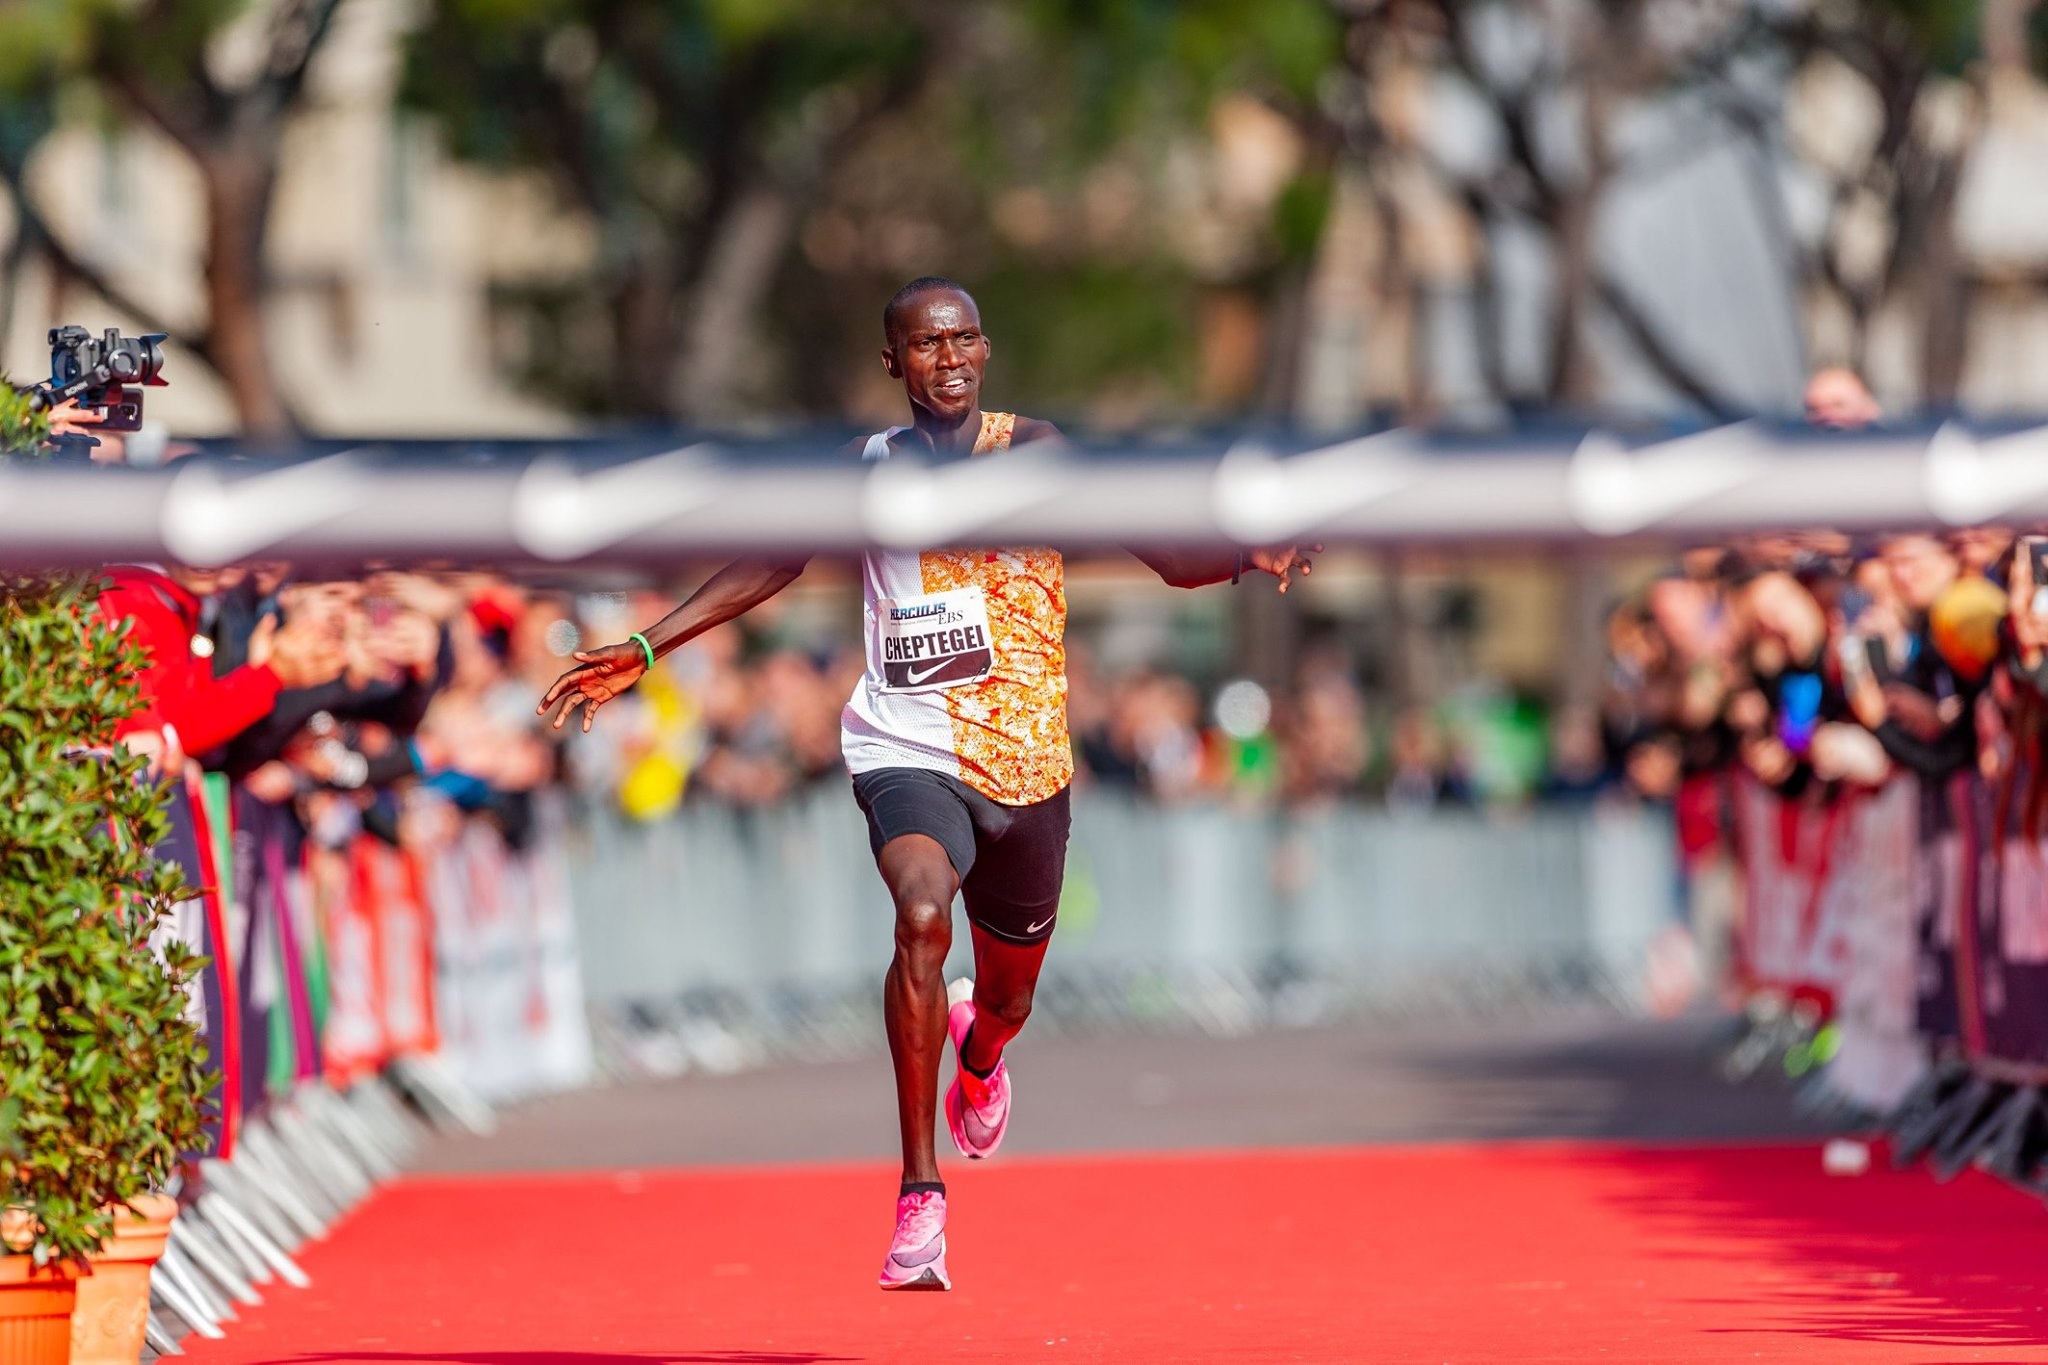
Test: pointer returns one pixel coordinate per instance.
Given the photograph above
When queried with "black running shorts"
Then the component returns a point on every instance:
(1011, 859)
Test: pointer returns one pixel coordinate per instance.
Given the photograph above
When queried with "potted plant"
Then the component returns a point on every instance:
(101, 1069)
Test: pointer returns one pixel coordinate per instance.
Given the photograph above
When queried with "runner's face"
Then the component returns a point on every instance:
(939, 353)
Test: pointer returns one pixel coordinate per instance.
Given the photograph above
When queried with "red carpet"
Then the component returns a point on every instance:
(1523, 1253)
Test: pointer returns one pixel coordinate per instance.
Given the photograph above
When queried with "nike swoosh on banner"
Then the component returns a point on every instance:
(908, 504)
(560, 513)
(1968, 480)
(212, 519)
(917, 677)
(1260, 499)
(1614, 491)
(924, 1255)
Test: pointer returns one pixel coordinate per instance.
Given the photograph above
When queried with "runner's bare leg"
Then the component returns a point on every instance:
(922, 883)
(1005, 975)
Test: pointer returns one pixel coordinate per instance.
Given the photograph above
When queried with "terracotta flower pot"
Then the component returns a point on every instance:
(113, 1302)
(35, 1302)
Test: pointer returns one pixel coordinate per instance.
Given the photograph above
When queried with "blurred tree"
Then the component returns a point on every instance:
(693, 134)
(1198, 125)
(1539, 97)
(1888, 241)
(1858, 119)
(708, 141)
(221, 79)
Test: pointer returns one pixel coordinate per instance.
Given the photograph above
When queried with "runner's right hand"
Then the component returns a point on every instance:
(601, 675)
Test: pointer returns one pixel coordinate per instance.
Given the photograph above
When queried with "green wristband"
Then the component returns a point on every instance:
(636, 635)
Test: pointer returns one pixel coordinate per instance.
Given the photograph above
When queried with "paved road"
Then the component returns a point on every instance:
(1581, 1075)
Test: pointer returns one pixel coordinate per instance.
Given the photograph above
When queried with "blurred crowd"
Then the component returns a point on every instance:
(325, 695)
(1819, 665)
(1815, 663)
(329, 694)
(748, 714)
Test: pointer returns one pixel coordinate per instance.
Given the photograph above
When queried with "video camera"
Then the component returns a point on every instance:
(106, 373)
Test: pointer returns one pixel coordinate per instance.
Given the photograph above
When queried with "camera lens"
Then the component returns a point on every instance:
(122, 363)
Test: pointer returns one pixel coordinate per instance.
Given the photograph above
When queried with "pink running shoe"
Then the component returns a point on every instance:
(917, 1255)
(977, 1110)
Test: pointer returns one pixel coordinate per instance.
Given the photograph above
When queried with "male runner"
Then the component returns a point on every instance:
(956, 737)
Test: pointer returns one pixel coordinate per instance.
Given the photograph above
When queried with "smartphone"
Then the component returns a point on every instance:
(1799, 697)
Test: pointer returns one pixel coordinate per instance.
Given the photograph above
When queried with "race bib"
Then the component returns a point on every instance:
(937, 640)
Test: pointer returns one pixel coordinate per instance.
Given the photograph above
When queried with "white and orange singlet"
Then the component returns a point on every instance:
(966, 660)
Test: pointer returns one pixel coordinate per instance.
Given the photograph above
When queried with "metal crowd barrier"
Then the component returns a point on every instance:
(718, 937)
(1895, 955)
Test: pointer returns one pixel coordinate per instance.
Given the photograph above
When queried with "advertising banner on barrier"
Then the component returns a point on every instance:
(2005, 952)
(381, 960)
(1871, 896)
(449, 943)
(1916, 915)
(197, 924)
(509, 986)
(352, 1042)
(1941, 884)
(1793, 937)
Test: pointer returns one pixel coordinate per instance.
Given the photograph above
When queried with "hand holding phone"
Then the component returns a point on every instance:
(2028, 610)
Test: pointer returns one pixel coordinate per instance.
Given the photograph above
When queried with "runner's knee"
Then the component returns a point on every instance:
(924, 926)
(1010, 1004)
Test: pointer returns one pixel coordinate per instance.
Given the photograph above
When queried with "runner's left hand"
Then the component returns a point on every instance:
(1281, 561)
(601, 674)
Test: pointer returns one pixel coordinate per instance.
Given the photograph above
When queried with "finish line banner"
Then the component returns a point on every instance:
(651, 501)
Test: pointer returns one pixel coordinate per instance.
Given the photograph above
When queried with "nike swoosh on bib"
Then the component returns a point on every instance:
(919, 675)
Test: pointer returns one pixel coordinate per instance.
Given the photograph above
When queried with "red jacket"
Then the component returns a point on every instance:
(179, 690)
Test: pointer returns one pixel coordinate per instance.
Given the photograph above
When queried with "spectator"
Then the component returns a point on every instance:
(186, 709)
(1838, 400)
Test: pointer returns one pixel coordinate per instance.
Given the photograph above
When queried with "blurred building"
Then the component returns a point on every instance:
(1741, 233)
(381, 257)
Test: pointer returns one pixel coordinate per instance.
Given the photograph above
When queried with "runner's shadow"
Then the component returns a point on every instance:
(561, 1358)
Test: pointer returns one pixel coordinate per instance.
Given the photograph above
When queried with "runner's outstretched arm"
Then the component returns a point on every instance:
(1198, 569)
(1191, 570)
(603, 673)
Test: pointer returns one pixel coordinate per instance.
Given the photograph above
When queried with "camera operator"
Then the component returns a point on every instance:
(72, 423)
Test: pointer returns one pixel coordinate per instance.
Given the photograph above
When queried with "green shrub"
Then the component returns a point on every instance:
(102, 1074)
